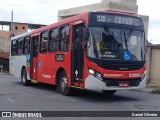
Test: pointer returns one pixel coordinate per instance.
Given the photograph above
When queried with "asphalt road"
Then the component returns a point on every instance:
(15, 97)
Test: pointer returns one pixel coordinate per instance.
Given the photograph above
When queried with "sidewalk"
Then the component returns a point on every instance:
(4, 73)
(151, 88)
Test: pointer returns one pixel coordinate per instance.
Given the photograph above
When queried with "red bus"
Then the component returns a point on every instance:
(99, 51)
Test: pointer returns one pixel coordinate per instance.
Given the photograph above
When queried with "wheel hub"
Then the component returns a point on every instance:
(64, 83)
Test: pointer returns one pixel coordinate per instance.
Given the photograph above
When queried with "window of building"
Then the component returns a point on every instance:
(14, 47)
(26, 48)
(64, 38)
(16, 28)
(53, 43)
(44, 42)
(20, 46)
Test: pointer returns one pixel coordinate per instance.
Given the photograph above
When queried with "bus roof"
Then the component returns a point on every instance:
(63, 22)
(79, 17)
(21, 35)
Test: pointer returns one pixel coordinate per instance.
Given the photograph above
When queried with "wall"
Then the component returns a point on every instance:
(4, 41)
(18, 28)
(131, 2)
(154, 74)
(116, 5)
(129, 6)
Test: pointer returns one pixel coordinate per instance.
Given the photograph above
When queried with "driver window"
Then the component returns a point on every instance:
(44, 42)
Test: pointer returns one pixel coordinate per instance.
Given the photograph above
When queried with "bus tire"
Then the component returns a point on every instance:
(24, 80)
(108, 92)
(63, 84)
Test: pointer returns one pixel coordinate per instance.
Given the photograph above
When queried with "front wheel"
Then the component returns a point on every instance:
(108, 92)
(63, 84)
(25, 82)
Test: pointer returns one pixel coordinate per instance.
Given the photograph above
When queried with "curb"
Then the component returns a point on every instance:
(150, 88)
(4, 73)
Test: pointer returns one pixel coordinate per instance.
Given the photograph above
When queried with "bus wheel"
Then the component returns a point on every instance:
(25, 82)
(108, 92)
(63, 84)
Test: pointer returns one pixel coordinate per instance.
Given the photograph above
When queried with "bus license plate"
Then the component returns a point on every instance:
(123, 84)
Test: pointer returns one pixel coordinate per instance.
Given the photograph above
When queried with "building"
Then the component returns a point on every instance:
(129, 6)
(17, 28)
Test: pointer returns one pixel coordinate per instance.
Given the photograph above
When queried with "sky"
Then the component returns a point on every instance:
(46, 12)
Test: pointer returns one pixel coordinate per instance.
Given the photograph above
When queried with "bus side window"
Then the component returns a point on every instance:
(14, 47)
(64, 38)
(53, 42)
(26, 48)
(44, 42)
(20, 46)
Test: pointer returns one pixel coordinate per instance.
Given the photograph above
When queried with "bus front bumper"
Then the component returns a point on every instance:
(94, 84)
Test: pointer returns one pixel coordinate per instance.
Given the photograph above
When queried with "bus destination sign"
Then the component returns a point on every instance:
(116, 19)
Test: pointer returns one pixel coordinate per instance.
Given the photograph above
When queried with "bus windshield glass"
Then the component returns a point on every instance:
(116, 43)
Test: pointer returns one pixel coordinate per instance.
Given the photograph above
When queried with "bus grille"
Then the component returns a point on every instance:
(123, 67)
(118, 64)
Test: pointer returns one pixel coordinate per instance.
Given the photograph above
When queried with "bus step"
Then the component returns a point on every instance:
(34, 81)
(76, 87)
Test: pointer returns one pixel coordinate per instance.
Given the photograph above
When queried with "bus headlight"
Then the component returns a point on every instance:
(143, 75)
(95, 73)
(91, 71)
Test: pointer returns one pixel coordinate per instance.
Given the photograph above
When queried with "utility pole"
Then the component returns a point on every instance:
(12, 23)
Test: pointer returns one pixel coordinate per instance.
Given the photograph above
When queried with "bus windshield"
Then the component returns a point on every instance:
(116, 43)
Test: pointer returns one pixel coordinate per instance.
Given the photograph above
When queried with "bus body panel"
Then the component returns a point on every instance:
(49, 66)
(16, 64)
(92, 83)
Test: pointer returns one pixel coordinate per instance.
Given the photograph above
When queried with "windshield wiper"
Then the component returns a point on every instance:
(125, 39)
(95, 47)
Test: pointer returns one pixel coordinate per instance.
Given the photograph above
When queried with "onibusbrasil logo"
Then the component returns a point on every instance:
(21, 114)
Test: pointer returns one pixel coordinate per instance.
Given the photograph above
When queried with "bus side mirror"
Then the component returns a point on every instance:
(85, 37)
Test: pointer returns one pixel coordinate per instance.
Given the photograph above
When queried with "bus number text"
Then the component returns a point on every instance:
(134, 75)
(101, 18)
(122, 20)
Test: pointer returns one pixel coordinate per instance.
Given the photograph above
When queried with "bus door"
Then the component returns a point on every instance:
(77, 55)
(34, 56)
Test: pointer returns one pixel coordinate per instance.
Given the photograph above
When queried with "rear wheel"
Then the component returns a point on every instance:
(25, 82)
(63, 84)
(108, 92)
